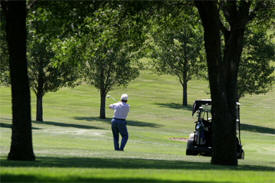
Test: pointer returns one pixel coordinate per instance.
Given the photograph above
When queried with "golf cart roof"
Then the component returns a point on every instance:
(199, 103)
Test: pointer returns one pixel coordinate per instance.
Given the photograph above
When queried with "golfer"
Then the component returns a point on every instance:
(121, 110)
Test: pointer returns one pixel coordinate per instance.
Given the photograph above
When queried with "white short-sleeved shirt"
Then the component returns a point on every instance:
(121, 110)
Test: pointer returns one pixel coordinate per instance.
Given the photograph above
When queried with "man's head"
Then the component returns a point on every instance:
(124, 97)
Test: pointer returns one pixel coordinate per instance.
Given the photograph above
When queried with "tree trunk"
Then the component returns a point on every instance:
(184, 97)
(21, 140)
(40, 94)
(224, 133)
(185, 73)
(102, 103)
(39, 107)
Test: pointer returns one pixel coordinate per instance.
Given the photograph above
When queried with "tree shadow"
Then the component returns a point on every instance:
(127, 163)
(107, 163)
(129, 122)
(175, 106)
(53, 123)
(5, 125)
(67, 125)
(259, 129)
(79, 179)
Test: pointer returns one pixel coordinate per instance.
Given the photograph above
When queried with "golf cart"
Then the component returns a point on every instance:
(200, 141)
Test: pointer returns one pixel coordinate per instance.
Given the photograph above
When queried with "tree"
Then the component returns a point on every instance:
(47, 73)
(256, 71)
(4, 55)
(61, 33)
(21, 140)
(105, 43)
(223, 66)
(106, 52)
(177, 48)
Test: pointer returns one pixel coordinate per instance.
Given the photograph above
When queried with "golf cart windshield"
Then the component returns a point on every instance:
(198, 103)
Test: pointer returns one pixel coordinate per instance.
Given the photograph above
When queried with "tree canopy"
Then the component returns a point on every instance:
(4, 56)
(256, 69)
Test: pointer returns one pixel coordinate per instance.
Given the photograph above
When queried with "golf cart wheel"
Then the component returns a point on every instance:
(190, 150)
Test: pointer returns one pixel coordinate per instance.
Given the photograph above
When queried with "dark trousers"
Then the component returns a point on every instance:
(119, 127)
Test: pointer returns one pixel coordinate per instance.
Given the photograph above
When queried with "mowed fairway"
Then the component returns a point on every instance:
(74, 145)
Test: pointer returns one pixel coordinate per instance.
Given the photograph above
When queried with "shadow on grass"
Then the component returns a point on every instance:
(66, 125)
(57, 162)
(60, 124)
(259, 129)
(129, 122)
(78, 179)
(5, 125)
(175, 106)
(126, 163)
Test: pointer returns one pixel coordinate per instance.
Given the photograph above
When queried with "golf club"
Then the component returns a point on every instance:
(109, 96)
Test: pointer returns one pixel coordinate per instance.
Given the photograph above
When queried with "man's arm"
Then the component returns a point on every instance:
(112, 106)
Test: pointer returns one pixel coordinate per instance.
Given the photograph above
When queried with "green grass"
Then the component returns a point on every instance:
(74, 145)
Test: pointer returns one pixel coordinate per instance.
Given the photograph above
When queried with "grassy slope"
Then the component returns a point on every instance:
(74, 145)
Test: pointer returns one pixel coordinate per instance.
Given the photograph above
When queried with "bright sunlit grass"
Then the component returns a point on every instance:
(74, 145)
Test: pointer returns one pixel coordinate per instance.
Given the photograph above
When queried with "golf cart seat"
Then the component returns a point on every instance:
(198, 103)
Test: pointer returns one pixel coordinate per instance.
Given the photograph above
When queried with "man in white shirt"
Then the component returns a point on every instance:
(121, 110)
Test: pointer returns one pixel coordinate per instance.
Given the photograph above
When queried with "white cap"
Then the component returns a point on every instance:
(124, 97)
